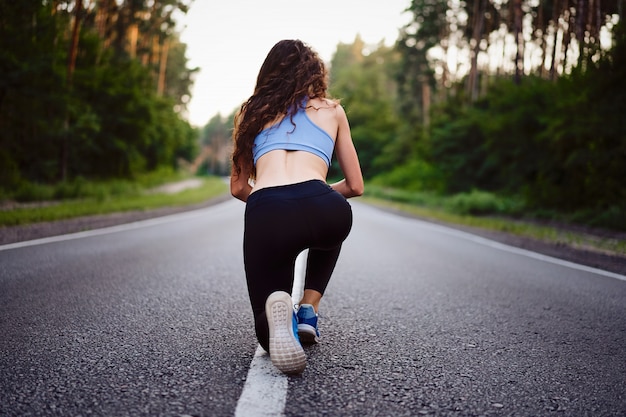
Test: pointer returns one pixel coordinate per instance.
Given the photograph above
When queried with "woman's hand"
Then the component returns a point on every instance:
(240, 188)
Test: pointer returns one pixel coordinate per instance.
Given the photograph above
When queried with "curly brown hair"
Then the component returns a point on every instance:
(291, 71)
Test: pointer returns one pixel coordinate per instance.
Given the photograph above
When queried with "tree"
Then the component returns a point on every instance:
(78, 97)
(360, 77)
(216, 145)
(415, 76)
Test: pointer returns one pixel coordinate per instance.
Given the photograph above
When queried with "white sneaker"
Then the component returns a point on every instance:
(286, 351)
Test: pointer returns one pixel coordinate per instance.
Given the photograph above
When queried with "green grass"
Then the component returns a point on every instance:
(476, 209)
(485, 211)
(111, 198)
(80, 188)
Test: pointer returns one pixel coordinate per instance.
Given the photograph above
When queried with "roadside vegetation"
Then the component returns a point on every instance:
(82, 198)
(486, 211)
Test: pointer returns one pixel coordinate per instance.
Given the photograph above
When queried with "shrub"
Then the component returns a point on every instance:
(29, 191)
(482, 203)
(416, 175)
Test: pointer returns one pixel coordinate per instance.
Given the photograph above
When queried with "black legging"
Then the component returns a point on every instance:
(281, 222)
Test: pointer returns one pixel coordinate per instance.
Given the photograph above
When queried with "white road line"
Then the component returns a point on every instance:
(107, 230)
(265, 391)
(518, 251)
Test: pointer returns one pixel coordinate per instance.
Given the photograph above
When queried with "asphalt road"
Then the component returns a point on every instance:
(418, 320)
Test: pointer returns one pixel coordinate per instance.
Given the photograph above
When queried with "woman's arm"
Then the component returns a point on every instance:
(352, 185)
(239, 186)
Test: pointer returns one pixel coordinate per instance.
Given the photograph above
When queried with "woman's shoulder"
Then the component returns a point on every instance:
(334, 106)
(320, 103)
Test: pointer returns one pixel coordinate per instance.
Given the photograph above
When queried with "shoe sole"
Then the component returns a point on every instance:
(286, 351)
(307, 334)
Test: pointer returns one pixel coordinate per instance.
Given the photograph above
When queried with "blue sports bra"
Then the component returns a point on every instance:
(301, 135)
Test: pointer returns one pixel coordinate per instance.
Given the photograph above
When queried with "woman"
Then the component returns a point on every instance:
(284, 137)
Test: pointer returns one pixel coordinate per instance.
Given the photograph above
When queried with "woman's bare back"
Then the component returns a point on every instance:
(282, 167)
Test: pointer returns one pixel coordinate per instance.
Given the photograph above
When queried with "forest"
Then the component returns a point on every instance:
(91, 89)
(518, 102)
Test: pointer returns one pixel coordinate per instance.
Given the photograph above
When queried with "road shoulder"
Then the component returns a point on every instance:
(13, 234)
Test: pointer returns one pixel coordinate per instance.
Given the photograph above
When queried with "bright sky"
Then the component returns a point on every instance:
(229, 39)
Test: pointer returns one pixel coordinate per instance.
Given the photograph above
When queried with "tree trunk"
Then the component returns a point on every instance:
(579, 30)
(133, 34)
(555, 23)
(519, 40)
(567, 33)
(541, 38)
(71, 58)
(479, 19)
(71, 66)
(163, 67)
